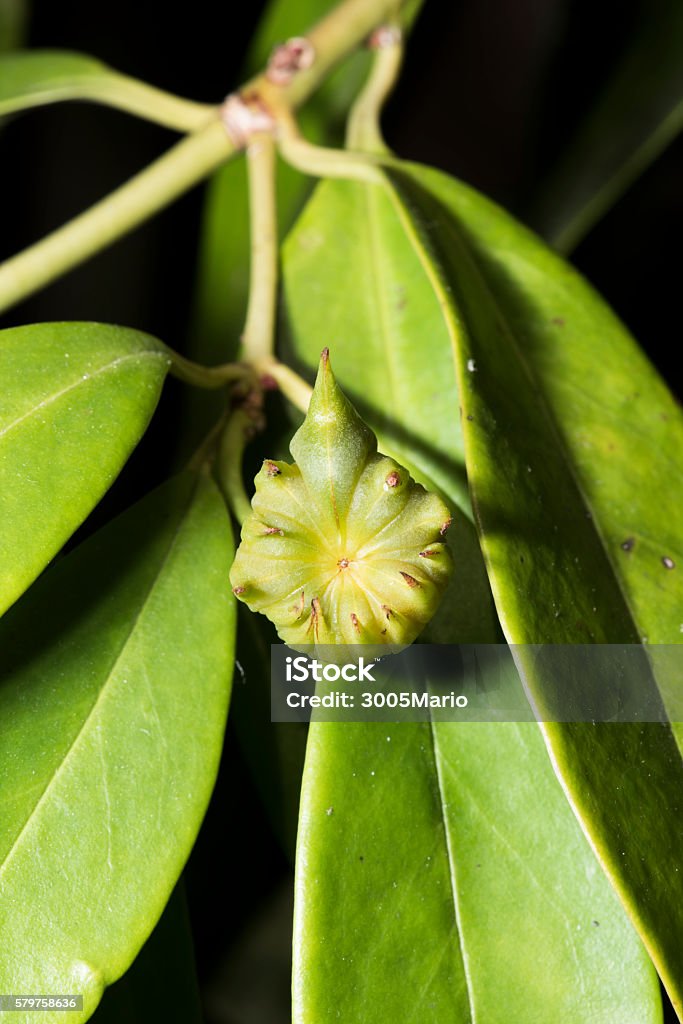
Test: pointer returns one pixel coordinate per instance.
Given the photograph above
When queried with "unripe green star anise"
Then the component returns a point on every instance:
(343, 547)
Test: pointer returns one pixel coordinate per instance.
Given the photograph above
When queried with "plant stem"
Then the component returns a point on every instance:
(145, 101)
(154, 188)
(259, 330)
(332, 39)
(290, 383)
(210, 377)
(323, 162)
(229, 463)
(363, 129)
(123, 93)
(191, 160)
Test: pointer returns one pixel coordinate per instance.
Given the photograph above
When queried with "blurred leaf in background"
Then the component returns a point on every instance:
(13, 19)
(639, 112)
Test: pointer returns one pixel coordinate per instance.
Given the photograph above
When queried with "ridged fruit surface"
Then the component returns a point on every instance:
(343, 547)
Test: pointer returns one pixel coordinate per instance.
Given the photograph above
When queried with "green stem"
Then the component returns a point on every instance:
(363, 129)
(290, 383)
(210, 377)
(123, 93)
(333, 38)
(235, 437)
(148, 192)
(148, 102)
(322, 162)
(192, 159)
(259, 331)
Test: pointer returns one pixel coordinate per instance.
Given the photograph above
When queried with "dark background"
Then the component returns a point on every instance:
(491, 91)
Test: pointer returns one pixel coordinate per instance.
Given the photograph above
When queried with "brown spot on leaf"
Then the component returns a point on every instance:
(628, 544)
(343, 563)
(428, 553)
(445, 526)
(557, 321)
(238, 590)
(298, 608)
(393, 479)
(354, 622)
(410, 580)
(271, 468)
(387, 610)
(274, 529)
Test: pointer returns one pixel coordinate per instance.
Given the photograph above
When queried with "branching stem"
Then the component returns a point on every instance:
(290, 383)
(191, 160)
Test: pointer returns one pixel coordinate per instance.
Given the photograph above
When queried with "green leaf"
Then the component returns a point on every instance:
(619, 428)
(76, 399)
(545, 521)
(442, 878)
(162, 983)
(470, 854)
(638, 114)
(33, 78)
(408, 388)
(116, 672)
(13, 16)
(342, 547)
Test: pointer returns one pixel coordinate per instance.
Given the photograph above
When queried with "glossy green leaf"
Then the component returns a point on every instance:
(555, 576)
(162, 983)
(461, 886)
(76, 399)
(372, 301)
(638, 114)
(33, 78)
(441, 877)
(114, 688)
(620, 428)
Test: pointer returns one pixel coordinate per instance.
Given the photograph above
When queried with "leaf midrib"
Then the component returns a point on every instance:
(452, 874)
(54, 777)
(82, 380)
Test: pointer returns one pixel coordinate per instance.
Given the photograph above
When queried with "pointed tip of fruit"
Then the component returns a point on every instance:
(325, 356)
